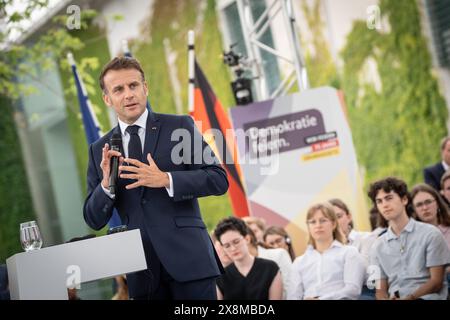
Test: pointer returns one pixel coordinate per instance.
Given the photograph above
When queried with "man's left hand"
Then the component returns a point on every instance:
(147, 175)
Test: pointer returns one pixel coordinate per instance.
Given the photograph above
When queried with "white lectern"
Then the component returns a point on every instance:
(44, 274)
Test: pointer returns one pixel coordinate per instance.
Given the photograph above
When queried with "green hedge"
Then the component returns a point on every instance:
(397, 129)
(15, 198)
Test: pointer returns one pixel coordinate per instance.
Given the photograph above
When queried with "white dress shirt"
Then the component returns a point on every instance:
(362, 241)
(337, 273)
(142, 123)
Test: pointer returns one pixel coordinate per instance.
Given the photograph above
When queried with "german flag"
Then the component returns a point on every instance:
(211, 115)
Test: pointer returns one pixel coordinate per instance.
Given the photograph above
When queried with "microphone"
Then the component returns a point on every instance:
(116, 142)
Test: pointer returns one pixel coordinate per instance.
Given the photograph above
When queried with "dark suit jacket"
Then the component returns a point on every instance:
(173, 226)
(4, 288)
(433, 174)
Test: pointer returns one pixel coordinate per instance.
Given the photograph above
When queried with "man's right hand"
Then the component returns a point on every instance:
(106, 163)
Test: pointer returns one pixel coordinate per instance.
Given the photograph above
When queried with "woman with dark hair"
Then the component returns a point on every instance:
(248, 277)
(277, 237)
(429, 207)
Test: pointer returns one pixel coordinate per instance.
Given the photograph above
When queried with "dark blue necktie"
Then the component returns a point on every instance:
(134, 146)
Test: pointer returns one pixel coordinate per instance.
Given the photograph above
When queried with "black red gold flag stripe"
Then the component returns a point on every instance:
(208, 110)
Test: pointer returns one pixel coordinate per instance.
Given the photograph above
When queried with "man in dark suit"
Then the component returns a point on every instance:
(433, 174)
(165, 165)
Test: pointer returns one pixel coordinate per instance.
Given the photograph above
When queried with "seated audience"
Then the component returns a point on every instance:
(411, 256)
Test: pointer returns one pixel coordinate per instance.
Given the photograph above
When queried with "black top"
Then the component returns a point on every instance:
(255, 286)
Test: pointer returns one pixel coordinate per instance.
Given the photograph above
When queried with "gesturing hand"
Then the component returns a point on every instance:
(146, 175)
(105, 165)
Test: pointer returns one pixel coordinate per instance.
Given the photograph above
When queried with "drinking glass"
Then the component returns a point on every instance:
(30, 237)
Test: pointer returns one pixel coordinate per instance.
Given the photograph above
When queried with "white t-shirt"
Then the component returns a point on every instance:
(282, 259)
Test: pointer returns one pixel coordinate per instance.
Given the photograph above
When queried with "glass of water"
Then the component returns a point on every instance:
(30, 236)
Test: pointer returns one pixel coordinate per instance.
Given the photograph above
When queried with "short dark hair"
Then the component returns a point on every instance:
(119, 63)
(231, 224)
(387, 185)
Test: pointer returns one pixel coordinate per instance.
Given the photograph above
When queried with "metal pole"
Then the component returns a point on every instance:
(191, 70)
(252, 54)
(300, 69)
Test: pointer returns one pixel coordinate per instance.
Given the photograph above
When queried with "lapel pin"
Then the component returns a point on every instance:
(153, 128)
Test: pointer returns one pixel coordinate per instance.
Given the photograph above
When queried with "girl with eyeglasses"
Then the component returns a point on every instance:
(328, 270)
(429, 207)
(277, 237)
(248, 277)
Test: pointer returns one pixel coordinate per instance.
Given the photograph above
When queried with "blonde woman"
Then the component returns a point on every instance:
(328, 270)
(257, 225)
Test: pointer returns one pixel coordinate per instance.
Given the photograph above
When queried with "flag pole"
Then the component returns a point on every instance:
(125, 48)
(84, 93)
(90, 121)
(191, 71)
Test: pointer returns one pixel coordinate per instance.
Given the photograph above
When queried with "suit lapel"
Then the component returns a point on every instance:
(151, 138)
(151, 135)
(441, 169)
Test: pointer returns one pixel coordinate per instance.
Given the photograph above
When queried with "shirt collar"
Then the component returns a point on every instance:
(335, 243)
(408, 228)
(445, 165)
(141, 122)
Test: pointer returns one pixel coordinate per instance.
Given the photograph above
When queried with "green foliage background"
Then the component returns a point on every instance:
(15, 199)
(398, 129)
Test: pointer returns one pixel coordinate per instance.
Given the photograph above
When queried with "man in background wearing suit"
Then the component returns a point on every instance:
(432, 174)
(157, 190)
